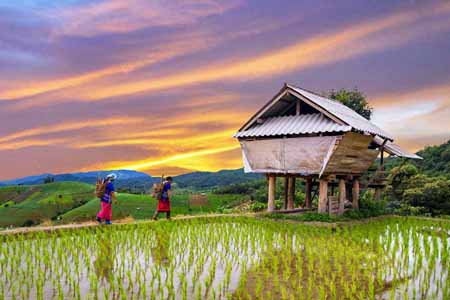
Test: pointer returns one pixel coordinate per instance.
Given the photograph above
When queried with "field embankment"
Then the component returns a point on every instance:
(30, 205)
(231, 258)
(72, 202)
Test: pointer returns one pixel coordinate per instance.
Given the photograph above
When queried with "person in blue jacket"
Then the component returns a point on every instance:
(106, 201)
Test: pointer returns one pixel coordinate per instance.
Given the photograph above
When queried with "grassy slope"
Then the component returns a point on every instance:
(143, 207)
(11, 193)
(41, 202)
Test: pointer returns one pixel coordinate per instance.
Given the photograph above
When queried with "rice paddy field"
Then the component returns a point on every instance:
(231, 258)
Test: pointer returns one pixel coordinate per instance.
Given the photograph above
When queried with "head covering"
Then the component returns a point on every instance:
(111, 177)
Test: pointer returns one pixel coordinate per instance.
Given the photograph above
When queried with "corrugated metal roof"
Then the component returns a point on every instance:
(343, 113)
(288, 125)
(395, 149)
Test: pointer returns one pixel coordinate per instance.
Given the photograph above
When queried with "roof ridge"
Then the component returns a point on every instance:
(315, 93)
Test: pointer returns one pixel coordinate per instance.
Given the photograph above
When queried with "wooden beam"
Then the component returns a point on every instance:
(308, 190)
(291, 193)
(323, 196)
(271, 193)
(319, 108)
(286, 192)
(355, 193)
(342, 196)
(378, 193)
(382, 152)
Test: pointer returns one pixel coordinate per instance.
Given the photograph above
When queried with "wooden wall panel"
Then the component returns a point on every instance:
(351, 155)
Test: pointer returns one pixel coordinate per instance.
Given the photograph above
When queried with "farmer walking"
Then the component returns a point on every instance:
(106, 189)
(164, 199)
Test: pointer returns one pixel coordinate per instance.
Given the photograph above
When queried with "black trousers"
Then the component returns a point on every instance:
(155, 216)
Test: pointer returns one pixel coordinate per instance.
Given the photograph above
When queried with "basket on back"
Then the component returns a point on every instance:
(100, 188)
(157, 189)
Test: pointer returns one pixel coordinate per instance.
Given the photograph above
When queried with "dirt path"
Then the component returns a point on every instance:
(93, 224)
(183, 217)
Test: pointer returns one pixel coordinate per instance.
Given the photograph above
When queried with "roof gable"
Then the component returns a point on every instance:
(334, 110)
(293, 125)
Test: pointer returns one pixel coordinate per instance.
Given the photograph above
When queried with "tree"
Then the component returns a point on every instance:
(431, 193)
(49, 179)
(354, 99)
(399, 179)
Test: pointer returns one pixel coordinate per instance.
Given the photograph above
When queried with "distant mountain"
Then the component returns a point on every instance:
(126, 178)
(137, 181)
(206, 180)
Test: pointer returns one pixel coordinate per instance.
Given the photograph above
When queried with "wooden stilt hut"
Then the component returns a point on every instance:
(299, 134)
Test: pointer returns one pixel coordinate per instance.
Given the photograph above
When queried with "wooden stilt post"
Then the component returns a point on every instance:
(271, 193)
(291, 192)
(308, 190)
(355, 194)
(377, 194)
(286, 191)
(323, 195)
(342, 196)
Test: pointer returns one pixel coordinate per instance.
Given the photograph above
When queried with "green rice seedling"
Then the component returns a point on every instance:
(230, 258)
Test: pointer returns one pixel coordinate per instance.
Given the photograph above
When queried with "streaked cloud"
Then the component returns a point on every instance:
(317, 51)
(161, 86)
(69, 126)
(179, 158)
(122, 16)
(418, 117)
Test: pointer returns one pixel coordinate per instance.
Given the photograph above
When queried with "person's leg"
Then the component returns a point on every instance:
(168, 215)
(155, 215)
(101, 213)
(108, 213)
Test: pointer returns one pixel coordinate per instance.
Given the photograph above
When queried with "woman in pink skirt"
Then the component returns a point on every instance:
(106, 201)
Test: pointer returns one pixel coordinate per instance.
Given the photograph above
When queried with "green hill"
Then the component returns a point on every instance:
(29, 205)
(67, 202)
(436, 160)
(209, 180)
(143, 207)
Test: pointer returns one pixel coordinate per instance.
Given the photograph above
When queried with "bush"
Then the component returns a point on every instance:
(314, 216)
(430, 194)
(29, 223)
(258, 206)
(305, 217)
(368, 207)
(408, 210)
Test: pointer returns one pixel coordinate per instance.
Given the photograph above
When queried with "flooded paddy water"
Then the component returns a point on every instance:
(231, 258)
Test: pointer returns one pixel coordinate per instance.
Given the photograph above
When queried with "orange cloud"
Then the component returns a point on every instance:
(32, 143)
(319, 50)
(68, 127)
(181, 159)
(438, 92)
(121, 16)
(165, 142)
(417, 118)
(177, 47)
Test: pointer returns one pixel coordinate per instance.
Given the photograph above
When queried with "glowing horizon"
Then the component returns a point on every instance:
(149, 86)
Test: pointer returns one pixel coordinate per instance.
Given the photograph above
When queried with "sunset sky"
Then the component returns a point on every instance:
(161, 86)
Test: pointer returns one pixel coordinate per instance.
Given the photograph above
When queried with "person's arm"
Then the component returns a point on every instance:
(169, 190)
(112, 193)
(113, 196)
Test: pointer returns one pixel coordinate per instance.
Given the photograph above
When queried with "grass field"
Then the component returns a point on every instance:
(28, 205)
(231, 258)
(67, 202)
(143, 207)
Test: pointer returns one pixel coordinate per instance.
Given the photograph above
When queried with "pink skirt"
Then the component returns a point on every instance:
(106, 211)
